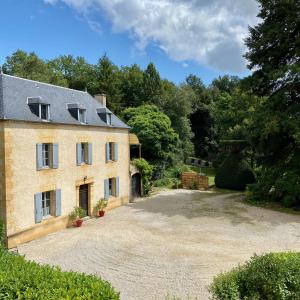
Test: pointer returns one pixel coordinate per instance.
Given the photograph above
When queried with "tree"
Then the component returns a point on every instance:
(274, 55)
(154, 131)
(151, 85)
(30, 66)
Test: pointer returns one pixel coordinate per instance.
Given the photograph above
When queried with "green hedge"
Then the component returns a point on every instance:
(20, 279)
(273, 276)
(234, 173)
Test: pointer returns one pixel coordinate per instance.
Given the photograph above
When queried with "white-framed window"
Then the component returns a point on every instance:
(44, 112)
(84, 153)
(46, 156)
(46, 204)
(111, 151)
(108, 119)
(82, 115)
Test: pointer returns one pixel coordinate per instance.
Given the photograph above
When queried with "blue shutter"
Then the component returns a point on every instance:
(55, 156)
(117, 187)
(38, 208)
(107, 152)
(39, 156)
(106, 188)
(58, 203)
(78, 154)
(116, 152)
(90, 154)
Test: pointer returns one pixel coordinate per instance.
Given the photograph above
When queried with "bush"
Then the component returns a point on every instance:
(234, 173)
(268, 277)
(146, 171)
(20, 279)
(2, 235)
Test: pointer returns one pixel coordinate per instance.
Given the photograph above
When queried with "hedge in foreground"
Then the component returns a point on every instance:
(20, 279)
(274, 276)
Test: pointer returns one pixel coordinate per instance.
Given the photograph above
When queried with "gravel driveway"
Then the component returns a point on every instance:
(170, 244)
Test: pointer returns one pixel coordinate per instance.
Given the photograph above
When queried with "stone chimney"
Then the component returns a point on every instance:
(101, 98)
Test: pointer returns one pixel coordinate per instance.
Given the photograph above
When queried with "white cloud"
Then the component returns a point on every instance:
(210, 32)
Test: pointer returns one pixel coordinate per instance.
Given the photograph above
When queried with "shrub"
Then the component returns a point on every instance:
(177, 170)
(234, 173)
(146, 171)
(20, 279)
(270, 276)
(77, 213)
(2, 235)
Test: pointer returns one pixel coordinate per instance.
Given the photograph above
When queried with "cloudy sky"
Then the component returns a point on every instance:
(204, 37)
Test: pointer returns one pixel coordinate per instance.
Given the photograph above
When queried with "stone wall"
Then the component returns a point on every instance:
(189, 179)
(2, 178)
(23, 180)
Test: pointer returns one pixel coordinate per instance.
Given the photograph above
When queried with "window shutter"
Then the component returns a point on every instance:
(58, 203)
(106, 188)
(117, 187)
(55, 156)
(90, 154)
(38, 208)
(116, 152)
(39, 156)
(107, 152)
(78, 154)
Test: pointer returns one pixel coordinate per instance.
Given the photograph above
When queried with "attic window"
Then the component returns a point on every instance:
(78, 112)
(40, 108)
(105, 115)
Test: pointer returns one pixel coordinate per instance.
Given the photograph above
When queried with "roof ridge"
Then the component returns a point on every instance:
(39, 82)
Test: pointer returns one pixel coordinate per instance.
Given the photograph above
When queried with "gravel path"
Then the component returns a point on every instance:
(170, 244)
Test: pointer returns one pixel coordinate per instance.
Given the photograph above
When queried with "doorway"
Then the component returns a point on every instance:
(136, 185)
(84, 197)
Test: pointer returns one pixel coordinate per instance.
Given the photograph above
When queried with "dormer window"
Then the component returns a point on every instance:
(39, 107)
(105, 115)
(78, 112)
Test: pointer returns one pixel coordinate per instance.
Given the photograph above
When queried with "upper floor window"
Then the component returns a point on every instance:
(46, 156)
(105, 115)
(84, 153)
(111, 151)
(77, 112)
(39, 107)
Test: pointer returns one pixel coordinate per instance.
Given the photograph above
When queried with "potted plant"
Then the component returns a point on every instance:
(76, 216)
(100, 205)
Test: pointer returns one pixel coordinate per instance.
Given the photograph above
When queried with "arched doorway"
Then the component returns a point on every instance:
(136, 190)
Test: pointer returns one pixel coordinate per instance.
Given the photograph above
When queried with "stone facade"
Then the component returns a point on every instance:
(20, 179)
(189, 179)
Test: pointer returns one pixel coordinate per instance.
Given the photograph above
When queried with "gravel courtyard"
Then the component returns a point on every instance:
(170, 244)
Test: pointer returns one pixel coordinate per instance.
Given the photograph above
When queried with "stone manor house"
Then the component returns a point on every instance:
(59, 148)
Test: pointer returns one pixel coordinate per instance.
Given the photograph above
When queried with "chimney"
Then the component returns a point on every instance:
(101, 98)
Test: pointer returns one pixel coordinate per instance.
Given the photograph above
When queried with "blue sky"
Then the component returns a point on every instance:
(166, 32)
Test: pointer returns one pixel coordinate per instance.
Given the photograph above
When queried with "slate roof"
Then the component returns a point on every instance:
(14, 92)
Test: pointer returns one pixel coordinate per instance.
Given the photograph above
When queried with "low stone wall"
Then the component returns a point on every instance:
(192, 179)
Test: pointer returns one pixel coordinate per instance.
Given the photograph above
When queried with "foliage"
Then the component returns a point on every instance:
(154, 131)
(101, 204)
(270, 276)
(2, 235)
(20, 279)
(234, 173)
(274, 127)
(77, 213)
(146, 171)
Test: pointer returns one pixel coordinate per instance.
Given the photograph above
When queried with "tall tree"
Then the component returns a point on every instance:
(30, 66)
(274, 55)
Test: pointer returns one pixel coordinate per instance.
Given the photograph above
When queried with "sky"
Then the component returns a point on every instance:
(181, 37)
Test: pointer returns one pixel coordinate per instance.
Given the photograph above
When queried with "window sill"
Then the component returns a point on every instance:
(45, 168)
(47, 218)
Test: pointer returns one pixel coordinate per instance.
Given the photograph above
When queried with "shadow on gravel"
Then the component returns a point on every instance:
(214, 205)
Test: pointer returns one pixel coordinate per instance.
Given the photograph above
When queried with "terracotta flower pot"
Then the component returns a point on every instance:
(78, 223)
(101, 213)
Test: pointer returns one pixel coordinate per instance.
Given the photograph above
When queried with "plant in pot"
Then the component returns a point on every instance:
(99, 208)
(76, 216)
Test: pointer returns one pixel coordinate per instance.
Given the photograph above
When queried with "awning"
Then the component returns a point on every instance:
(133, 139)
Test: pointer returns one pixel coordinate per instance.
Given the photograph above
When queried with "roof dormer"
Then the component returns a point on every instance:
(105, 115)
(78, 112)
(39, 107)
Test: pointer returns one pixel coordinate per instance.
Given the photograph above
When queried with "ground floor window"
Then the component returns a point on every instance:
(46, 204)
(112, 186)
